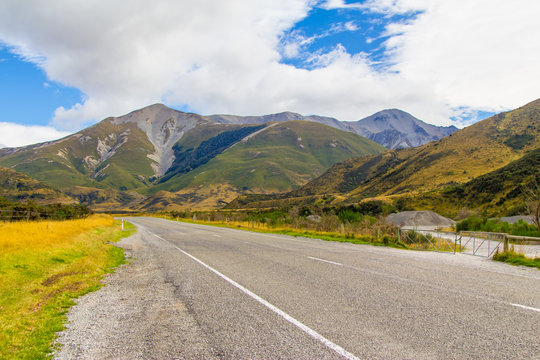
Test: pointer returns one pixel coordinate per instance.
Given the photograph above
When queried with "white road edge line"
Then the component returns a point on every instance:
(526, 307)
(338, 349)
(326, 261)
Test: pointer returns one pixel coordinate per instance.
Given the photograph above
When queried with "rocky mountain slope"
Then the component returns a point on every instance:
(396, 129)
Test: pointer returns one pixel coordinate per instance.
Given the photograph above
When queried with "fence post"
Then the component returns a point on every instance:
(505, 243)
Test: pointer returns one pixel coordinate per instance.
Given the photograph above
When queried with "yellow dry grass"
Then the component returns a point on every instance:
(27, 235)
(43, 266)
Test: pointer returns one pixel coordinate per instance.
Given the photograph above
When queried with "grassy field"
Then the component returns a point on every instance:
(43, 267)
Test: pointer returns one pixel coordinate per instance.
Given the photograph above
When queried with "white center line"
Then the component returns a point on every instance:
(526, 307)
(338, 349)
(326, 261)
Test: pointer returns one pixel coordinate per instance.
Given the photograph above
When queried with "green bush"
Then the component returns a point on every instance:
(349, 215)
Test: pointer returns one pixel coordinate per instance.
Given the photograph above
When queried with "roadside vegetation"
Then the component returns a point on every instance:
(478, 223)
(360, 224)
(514, 258)
(44, 265)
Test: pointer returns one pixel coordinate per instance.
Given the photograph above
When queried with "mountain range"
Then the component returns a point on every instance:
(157, 157)
(392, 128)
(461, 160)
(396, 129)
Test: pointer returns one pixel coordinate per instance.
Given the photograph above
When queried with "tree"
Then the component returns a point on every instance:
(532, 200)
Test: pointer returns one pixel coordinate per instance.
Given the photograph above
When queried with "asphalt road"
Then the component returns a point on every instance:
(199, 292)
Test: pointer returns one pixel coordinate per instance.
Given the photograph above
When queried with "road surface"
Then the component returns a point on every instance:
(200, 292)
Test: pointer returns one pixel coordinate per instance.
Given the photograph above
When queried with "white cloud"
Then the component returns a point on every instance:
(351, 26)
(396, 7)
(13, 135)
(225, 57)
(479, 54)
(340, 4)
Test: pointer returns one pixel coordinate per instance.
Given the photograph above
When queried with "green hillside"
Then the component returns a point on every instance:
(76, 160)
(497, 193)
(202, 144)
(280, 157)
(15, 186)
(121, 153)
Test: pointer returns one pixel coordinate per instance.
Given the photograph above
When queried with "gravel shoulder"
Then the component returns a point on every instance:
(135, 316)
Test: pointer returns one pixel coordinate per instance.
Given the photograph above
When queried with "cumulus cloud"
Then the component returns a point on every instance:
(453, 57)
(12, 135)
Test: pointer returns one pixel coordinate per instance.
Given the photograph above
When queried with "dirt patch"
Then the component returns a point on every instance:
(51, 280)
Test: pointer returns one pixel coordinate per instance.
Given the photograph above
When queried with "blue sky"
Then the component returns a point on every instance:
(64, 67)
(26, 95)
(357, 30)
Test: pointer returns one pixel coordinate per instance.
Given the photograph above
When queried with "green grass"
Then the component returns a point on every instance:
(39, 282)
(346, 238)
(513, 258)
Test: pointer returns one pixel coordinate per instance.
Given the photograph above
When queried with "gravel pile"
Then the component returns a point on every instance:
(423, 220)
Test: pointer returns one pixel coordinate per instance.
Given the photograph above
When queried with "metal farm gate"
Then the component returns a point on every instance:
(469, 243)
(481, 243)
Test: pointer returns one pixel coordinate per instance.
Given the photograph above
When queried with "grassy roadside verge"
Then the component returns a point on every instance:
(43, 267)
(514, 258)
(390, 241)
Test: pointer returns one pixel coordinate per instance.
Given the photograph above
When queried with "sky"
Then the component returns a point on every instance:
(65, 65)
